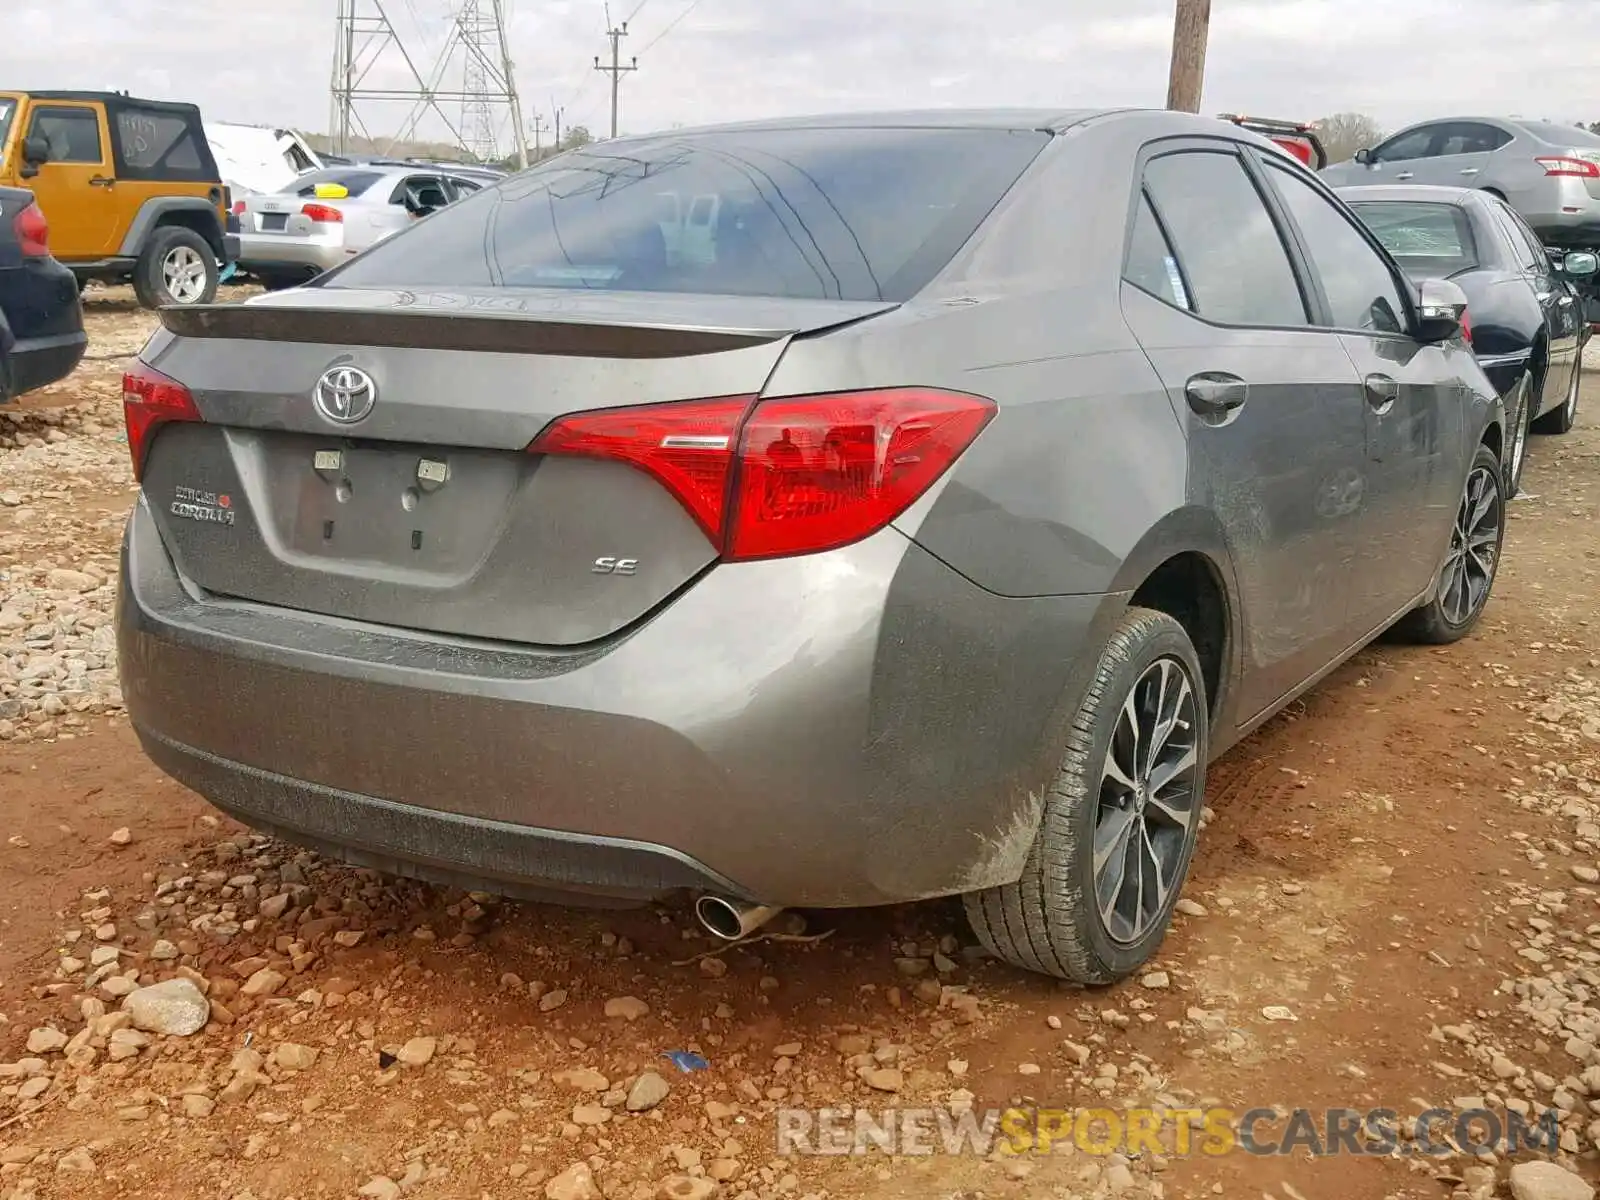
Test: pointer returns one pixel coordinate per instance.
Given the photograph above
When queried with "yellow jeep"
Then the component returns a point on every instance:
(129, 187)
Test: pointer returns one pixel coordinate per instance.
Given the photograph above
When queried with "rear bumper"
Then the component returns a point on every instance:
(268, 252)
(230, 248)
(852, 728)
(36, 362)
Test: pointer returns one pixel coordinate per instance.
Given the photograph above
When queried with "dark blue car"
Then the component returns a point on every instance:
(41, 318)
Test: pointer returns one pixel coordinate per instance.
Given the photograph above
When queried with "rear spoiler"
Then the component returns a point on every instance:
(1297, 137)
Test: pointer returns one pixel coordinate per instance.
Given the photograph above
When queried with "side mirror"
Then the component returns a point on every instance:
(1364, 157)
(35, 151)
(1580, 265)
(1441, 307)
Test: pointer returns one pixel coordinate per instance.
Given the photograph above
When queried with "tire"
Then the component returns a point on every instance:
(1050, 920)
(1561, 420)
(1444, 618)
(177, 267)
(1519, 402)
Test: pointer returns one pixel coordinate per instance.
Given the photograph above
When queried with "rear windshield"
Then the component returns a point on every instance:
(849, 214)
(1562, 135)
(1428, 239)
(354, 182)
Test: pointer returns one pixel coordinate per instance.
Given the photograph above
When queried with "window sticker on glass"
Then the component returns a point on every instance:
(1175, 278)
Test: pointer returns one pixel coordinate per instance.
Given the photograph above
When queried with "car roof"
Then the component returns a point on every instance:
(174, 106)
(1420, 193)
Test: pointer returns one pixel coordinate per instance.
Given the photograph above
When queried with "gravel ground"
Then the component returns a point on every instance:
(1396, 904)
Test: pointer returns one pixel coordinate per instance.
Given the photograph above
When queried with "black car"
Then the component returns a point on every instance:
(41, 319)
(1527, 322)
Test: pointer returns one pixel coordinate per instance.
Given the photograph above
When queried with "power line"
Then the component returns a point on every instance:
(671, 25)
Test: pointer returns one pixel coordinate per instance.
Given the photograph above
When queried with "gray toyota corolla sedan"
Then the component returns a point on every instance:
(820, 512)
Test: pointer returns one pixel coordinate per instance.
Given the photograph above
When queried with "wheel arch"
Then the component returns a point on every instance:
(189, 212)
(1183, 567)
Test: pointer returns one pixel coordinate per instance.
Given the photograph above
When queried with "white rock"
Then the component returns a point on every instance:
(1547, 1181)
(175, 1007)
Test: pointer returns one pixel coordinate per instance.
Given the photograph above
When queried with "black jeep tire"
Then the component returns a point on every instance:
(177, 266)
(1054, 919)
(1480, 527)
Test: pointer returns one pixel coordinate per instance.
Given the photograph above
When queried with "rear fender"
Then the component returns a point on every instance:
(1193, 530)
(193, 212)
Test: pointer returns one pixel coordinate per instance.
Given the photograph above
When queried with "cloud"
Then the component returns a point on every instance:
(733, 59)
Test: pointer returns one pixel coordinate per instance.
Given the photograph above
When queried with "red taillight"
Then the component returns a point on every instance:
(771, 478)
(33, 232)
(1466, 326)
(238, 208)
(1582, 168)
(1298, 147)
(150, 400)
(321, 212)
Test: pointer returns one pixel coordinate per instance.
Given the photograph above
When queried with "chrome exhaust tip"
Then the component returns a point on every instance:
(729, 919)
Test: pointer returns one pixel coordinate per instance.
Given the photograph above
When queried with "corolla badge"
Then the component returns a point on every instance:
(345, 394)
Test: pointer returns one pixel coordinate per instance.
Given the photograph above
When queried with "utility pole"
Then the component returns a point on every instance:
(557, 111)
(616, 70)
(538, 128)
(1190, 27)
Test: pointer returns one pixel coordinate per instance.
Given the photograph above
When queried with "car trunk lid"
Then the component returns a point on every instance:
(428, 512)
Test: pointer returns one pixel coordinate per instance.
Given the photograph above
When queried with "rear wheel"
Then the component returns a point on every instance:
(1562, 419)
(1120, 820)
(178, 267)
(1518, 403)
(1471, 560)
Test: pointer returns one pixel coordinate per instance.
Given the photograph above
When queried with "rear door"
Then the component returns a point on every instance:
(1459, 154)
(1411, 403)
(76, 188)
(1272, 405)
(1563, 315)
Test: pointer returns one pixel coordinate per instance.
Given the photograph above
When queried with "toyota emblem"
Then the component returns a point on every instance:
(345, 394)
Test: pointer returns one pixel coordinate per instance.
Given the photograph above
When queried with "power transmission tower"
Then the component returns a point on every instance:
(616, 70)
(477, 40)
(1191, 27)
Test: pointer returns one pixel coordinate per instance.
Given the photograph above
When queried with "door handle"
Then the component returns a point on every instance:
(1382, 392)
(100, 181)
(1469, 170)
(1215, 394)
(1405, 175)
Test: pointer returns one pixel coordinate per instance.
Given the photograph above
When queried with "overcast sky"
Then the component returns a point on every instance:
(268, 62)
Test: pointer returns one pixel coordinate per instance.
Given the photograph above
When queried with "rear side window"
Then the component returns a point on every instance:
(1469, 137)
(1361, 290)
(354, 182)
(160, 144)
(1233, 259)
(849, 214)
(1529, 249)
(152, 141)
(1428, 239)
(1152, 266)
(73, 134)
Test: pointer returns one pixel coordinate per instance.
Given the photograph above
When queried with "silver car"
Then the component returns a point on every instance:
(1549, 173)
(289, 236)
(828, 512)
